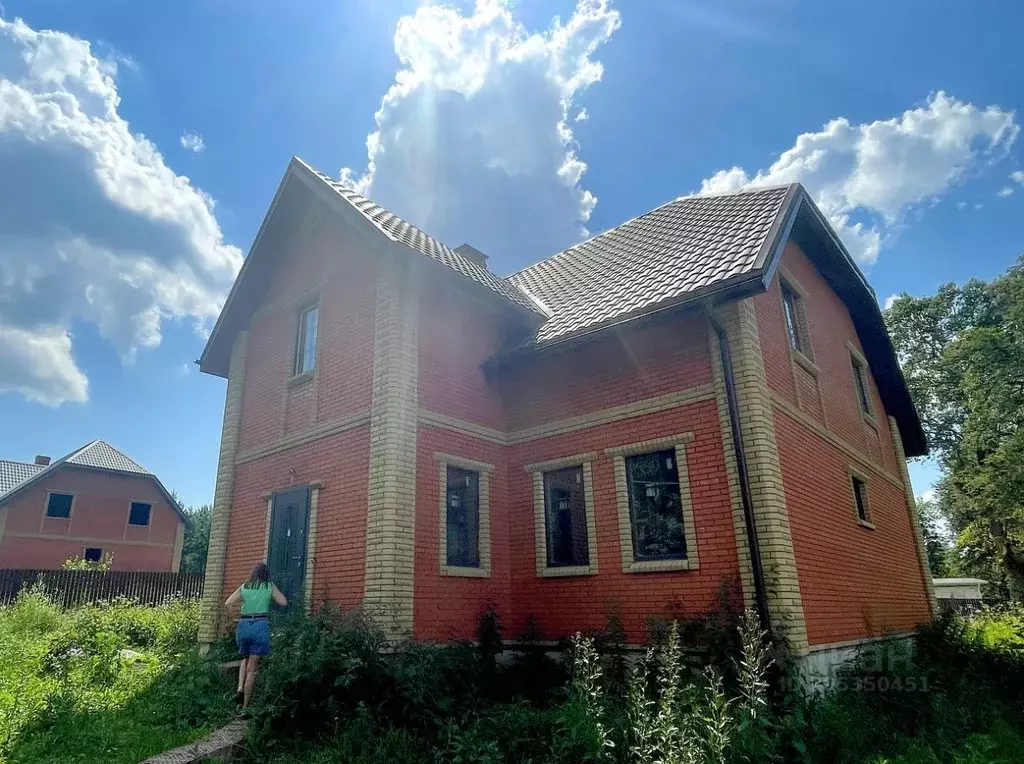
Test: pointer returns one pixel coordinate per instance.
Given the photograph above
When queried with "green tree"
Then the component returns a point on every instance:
(197, 539)
(937, 540)
(962, 352)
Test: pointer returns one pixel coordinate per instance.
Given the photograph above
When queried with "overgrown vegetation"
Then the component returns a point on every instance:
(117, 682)
(959, 701)
(111, 682)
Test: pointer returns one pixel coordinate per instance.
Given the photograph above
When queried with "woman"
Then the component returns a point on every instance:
(253, 631)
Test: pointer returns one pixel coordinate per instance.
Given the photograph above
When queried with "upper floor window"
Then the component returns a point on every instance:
(655, 506)
(860, 382)
(860, 498)
(59, 505)
(462, 502)
(796, 320)
(92, 554)
(566, 518)
(139, 513)
(305, 343)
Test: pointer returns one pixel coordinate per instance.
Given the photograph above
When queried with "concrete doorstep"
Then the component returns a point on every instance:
(219, 744)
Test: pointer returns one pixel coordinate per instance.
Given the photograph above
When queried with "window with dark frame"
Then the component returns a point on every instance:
(860, 381)
(92, 554)
(655, 506)
(139, 513)
(793, 307)
(860, 496)
(565, 516)
(305, 343)
(59, 505)
(462, 518)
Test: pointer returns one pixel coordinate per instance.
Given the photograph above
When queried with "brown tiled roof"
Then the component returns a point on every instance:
(683, 248)
(405, 233)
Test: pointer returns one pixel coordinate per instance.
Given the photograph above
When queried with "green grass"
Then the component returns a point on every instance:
(103, 683)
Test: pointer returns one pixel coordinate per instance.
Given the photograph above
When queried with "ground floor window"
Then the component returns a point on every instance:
(465, 529)
(92, 554)
(652, 485)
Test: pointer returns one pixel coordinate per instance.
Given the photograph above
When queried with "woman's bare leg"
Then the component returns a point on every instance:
(241, 674)
(253, 666)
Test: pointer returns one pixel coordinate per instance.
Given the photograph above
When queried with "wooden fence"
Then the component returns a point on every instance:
(77, 587)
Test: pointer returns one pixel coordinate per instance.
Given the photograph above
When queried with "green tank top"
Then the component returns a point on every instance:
(256, 600)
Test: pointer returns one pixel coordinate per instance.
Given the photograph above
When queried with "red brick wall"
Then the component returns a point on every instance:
(341, 464)
(626, 365)
(449, 607)
(565, 605)
(327, 268)
(99, 518)
(330, 268)
(854, 581)
(457, 333)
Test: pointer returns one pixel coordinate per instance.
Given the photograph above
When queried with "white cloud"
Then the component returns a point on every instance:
(961, 205)
(1017, 176)
(582, 116)
(866, 177)
(1005, 191)
(94, 226)
(472, 141)
(928, 495)
(890, 300)
(192, 142)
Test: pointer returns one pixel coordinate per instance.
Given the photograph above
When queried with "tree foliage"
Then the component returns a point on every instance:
(962, 352)
(197, 539)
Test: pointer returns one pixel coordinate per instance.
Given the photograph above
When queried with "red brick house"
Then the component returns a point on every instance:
(406, 430)
(89, 504)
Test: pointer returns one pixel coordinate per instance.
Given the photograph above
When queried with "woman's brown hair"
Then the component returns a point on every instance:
(260, 576)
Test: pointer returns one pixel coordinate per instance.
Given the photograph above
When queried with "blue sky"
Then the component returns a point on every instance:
(146, 140)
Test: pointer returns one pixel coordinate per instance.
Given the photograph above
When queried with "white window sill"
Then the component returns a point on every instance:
(302, 378)
(465, 572)
(568, 571)
(866, 524)
(661, 566)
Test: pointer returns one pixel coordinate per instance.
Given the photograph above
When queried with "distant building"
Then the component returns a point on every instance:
(959, 588)
(89, 504)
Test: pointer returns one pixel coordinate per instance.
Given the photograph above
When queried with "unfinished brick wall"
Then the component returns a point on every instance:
(855, 581)
(327, 268)
(340, 464)
(99, 519)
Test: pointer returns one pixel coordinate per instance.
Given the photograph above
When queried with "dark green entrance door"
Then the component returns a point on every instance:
(289, 522)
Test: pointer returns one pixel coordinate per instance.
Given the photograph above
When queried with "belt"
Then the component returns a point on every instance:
(257, 617)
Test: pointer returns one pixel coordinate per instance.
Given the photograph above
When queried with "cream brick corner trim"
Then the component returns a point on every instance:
(391, 509)
(764, 470)
(583, 461)
(483, 570)
(908, 492)
(179, 545)
(211, 607)
(739, 524)
(314, 502)
(619, 453)
(3, 521)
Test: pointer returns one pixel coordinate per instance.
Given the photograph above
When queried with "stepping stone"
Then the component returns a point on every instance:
(219, 744)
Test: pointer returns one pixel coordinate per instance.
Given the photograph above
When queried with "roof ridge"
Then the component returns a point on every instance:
(642, 215)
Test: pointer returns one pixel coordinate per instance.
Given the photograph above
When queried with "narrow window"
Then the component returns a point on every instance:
(92, 554)
(655, 507)
(463, 518)
(860, 382)
(305, 344)
(566, 518)
(59, 505)
(860, 496)
(139, 513)
(792, 305)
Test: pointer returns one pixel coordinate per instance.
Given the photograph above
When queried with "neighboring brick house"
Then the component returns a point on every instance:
(407, 431)
(89, 504)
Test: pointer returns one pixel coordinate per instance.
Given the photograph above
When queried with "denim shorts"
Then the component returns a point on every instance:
(253, 636)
